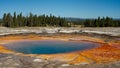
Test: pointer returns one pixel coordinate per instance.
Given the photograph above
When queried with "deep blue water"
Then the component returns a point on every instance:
(49, 46)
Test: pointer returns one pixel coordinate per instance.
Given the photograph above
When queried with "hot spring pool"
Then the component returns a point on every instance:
(49, 46)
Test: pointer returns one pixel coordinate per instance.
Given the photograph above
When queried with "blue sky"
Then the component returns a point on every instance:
(63, 8)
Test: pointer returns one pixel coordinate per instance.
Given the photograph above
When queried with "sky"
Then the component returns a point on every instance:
(63, 8)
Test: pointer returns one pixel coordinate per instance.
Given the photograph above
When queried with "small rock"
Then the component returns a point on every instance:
(83, 63)
(65, 65)
(38, 60)
(11, 67)
(9, 57)
(16, 64)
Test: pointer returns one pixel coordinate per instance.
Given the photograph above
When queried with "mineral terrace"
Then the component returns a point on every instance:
(107, 55)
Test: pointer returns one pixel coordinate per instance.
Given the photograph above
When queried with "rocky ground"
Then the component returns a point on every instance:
(15, 61)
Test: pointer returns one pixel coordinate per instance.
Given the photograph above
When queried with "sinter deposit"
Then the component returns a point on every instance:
(104, 30)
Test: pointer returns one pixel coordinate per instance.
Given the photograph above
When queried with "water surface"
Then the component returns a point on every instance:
(49, 46)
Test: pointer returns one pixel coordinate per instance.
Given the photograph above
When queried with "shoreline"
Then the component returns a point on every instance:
(88, 56)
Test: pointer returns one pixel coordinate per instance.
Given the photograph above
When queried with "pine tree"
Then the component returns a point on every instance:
(15, 23)
(9, 20)
(4, 19)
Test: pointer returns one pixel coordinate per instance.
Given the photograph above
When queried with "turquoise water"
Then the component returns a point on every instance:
(49, 46)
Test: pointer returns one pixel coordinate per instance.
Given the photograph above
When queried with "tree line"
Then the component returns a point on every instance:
(32, 20)
(102, 22)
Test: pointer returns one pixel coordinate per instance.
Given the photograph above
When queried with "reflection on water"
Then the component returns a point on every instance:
(49, 46)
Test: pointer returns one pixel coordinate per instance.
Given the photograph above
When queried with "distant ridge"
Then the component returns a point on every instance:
(74, 19)
(83, 19)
